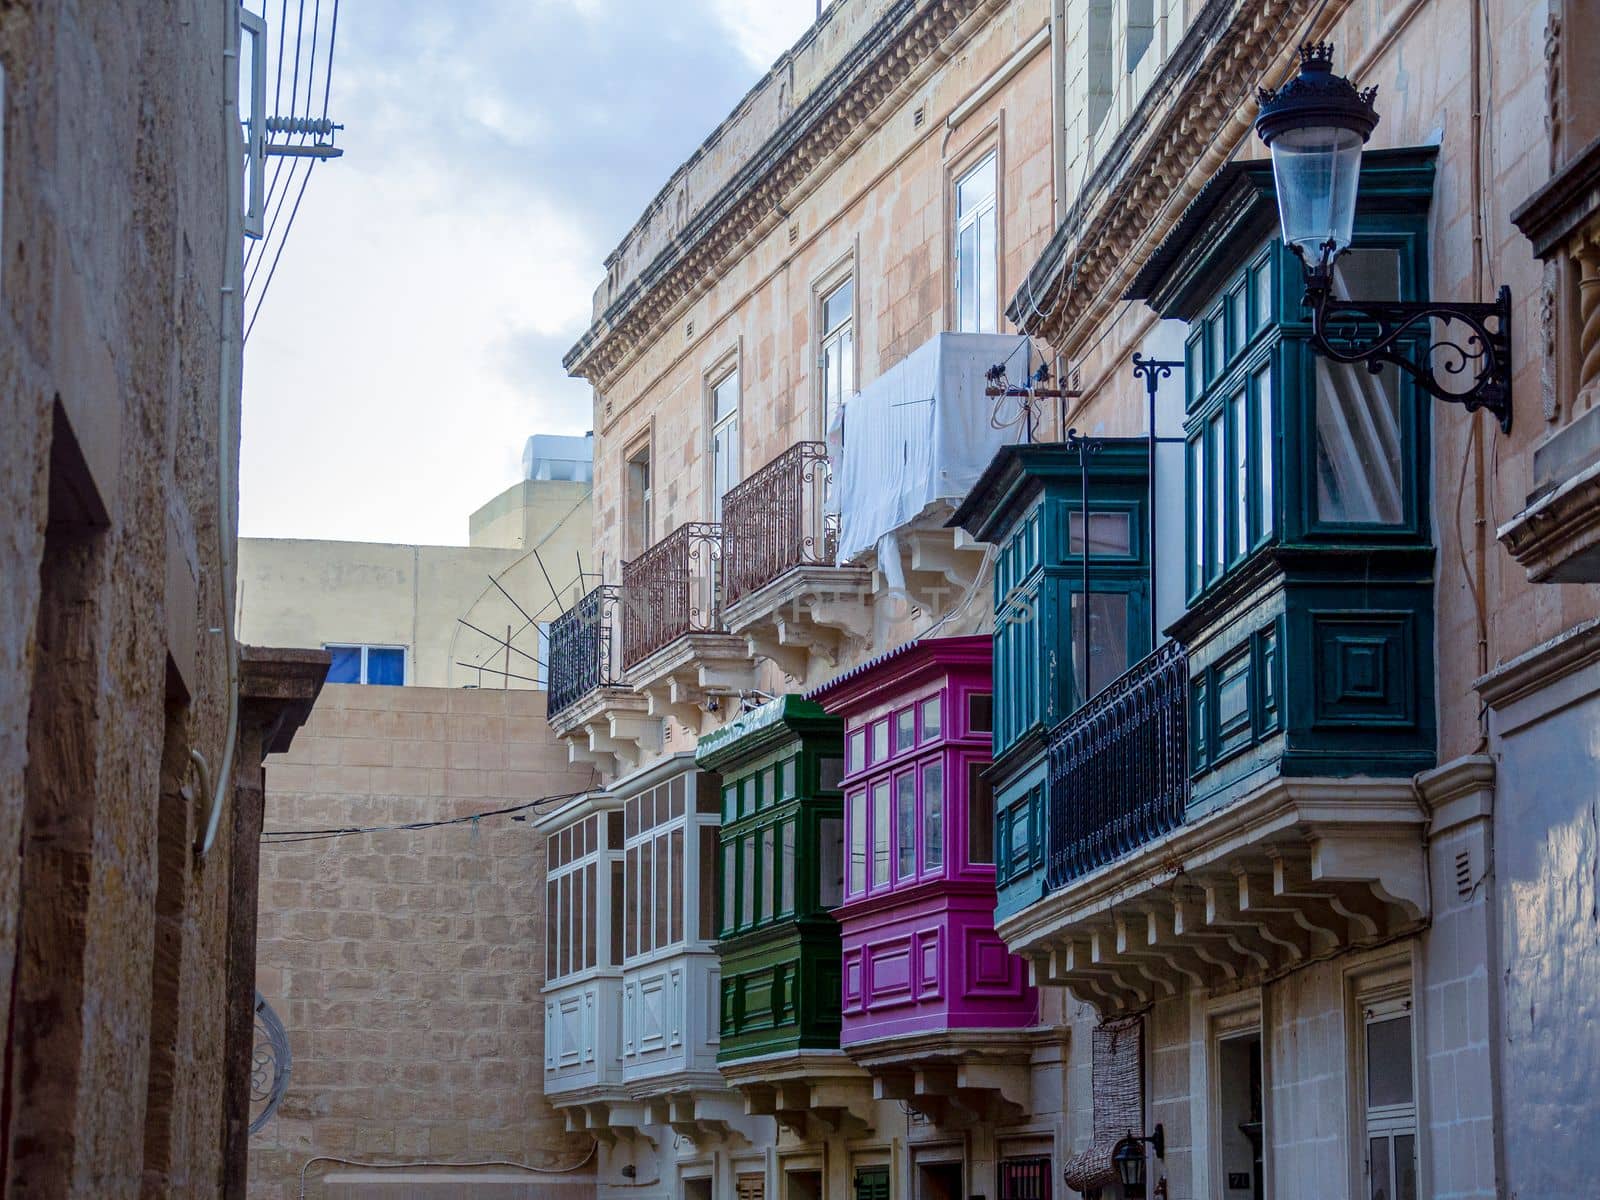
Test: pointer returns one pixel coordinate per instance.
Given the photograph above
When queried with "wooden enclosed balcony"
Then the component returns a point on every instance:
(781, 589)
(603, 721)
(675, 650)
(1146, 895)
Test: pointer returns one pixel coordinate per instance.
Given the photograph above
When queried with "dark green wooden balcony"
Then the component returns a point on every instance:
(780, 872)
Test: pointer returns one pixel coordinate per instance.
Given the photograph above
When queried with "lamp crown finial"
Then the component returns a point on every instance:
(1317, 54)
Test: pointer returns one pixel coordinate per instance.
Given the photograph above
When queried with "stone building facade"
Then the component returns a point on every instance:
(1337, 947)
(132, 726)
(406, 965)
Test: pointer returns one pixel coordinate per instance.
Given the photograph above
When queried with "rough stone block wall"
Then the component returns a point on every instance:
(407, 965)
(112, 366)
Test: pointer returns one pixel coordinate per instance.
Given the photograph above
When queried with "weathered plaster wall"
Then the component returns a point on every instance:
(112, 260)
(407, 965)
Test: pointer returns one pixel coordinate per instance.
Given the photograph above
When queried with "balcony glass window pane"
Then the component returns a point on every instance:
(880, 741)
(1261, 285)
(1360, 473)
(1217, 444)
(617, 907)
(1110, 534)
(980, 815)
(786, 874)
(647, 936)
(591, 905)
(1378, 1168)
(552, 912)
(830, 773)
(666, 885)
(1108, 639)
(679, 885)
(980, 712)
(630, 904)
(1389, 1062)
(857, 805)
(880, 834)
(564, 894)
(730, 883)
(787, 786)
(708, 894)
(930, 719)
(1217, 354)
(769, 787)
(1240, 421)
(1238, 332)
(932, 816)
(858, 750)
(679, 788)
(905, 729)
(988, 267)
(768, 896)
(1197, 522)
(905, 825)
(1263, 389)
(830, 862)
(747, 881)
(966, 277)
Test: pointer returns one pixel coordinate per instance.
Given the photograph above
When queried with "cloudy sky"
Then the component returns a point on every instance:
(495, 152)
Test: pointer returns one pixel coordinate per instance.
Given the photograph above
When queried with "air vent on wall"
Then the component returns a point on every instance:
(688, 329)
(794, 234)
(1464, 873)
(919, 116)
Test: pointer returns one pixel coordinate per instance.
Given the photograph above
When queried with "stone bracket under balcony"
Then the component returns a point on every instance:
(807, 613)
(611, 729)
(955, 1078)
(813, 1094)
(1297, 872)
(936, 566)
(683, 678)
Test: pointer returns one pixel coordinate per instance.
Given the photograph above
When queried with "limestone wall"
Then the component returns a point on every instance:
(114, 368)
(407, 965)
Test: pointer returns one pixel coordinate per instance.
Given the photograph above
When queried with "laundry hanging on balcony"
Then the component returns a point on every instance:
(917, 438)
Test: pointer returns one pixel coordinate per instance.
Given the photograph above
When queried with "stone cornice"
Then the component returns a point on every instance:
(1182, 133)
(843, 110)
(1544, 665)
(1559, 208)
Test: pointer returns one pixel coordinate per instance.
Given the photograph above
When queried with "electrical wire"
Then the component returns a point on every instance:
(283, 836)
(415, 1163)
(262, 295)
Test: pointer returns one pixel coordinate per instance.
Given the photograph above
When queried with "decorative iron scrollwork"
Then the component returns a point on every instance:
(270, 1063)
(1343, 331)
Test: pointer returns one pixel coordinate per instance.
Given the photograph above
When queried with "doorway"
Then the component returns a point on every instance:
(1239, 1125)
(939, 1181)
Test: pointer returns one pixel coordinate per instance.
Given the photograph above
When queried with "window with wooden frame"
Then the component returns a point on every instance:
(836, 353)
(1387, 1094)
(976, 249)
(638, 508)
(582, 927)
(1025, 1178)
(724, 438)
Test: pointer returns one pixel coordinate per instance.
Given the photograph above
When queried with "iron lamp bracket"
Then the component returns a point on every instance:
(1378, 332)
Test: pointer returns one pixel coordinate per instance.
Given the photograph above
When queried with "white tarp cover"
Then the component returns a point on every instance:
(921, 434)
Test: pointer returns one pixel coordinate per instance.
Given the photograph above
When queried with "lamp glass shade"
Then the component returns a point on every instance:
(1316, 170)
(1128, 1158)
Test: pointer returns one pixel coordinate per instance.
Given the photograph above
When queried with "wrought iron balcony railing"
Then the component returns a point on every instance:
(580, 650)
(776, 520)
(670, 590)
(1119, 767)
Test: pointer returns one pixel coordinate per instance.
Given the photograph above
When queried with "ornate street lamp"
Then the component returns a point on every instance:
(1128, 1158)
(1315, 126)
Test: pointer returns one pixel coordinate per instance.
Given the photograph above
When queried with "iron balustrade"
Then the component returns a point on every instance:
(1119, 767)
(670, 590)
(580, 648)
(776, 520)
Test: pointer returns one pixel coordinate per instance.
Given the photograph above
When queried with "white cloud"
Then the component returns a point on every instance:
(494, 153)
